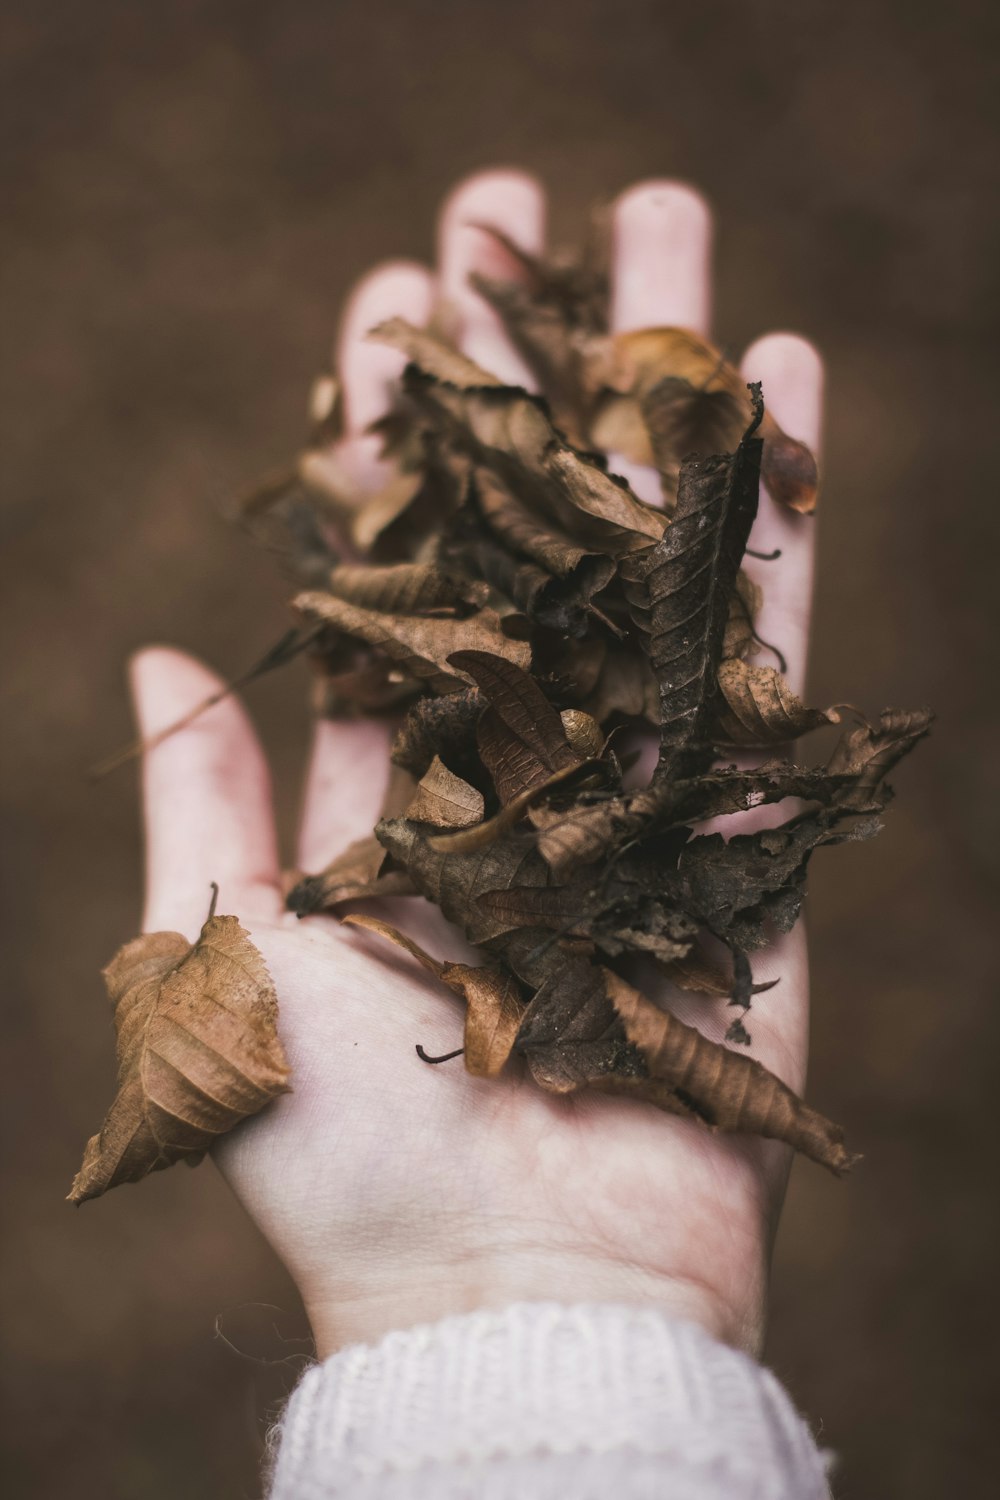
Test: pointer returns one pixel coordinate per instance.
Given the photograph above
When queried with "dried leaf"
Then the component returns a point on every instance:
(868, 754)
(405, 588)
(761, 709)
(445, 800)
(454, 882)
(583, 733)
(744, 604)
(683, 585)
(637, 365)
(362, 869)
(355, 873)
(729, 1089)
(419, 646)
(548, 317)
(438, 725)
(570, 1032)
(521, 737)
(718, 880)
(494, 1007)
(198, 1051)
(701, 975)
(518, 529)
(504, 429)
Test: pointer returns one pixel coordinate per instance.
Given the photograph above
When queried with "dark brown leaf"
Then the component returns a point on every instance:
(682, 588)
(521, 738)
(548, 316)
(438, 725)
(454, 882)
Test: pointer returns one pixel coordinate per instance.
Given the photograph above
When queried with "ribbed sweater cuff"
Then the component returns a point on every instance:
(541, 1399)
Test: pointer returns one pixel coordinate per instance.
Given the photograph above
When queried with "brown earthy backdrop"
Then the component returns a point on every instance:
(189, 191)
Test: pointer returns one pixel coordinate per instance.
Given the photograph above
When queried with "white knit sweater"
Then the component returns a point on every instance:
(540, 1401)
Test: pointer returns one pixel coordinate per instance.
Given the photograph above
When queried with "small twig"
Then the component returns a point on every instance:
(445, 1056)
(289, 646)
(215, 897)
(764, 556)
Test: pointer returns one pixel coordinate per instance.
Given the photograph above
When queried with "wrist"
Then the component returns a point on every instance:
(362, 1314)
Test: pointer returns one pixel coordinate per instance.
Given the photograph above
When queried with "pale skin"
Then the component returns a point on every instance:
(398, 1193)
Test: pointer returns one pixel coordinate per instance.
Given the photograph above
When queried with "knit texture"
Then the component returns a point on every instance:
(542, 1401)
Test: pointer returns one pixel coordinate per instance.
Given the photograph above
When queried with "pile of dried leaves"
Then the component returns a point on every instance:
(528, 618)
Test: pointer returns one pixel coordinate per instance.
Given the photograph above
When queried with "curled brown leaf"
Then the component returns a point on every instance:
(198, 1051)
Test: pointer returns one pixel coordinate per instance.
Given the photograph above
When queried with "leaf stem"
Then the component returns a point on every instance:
(445, 1056)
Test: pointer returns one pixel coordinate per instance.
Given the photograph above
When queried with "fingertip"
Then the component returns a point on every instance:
(166, 683)
(512, 202)
(791, 372)
(661, 199)
(662, 235)
(396, 288)
(392, 284)
(511, 199)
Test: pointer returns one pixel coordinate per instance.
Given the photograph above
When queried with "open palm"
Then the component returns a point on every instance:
(395, 1192)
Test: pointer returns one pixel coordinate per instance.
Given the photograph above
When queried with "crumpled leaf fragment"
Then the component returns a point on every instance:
(198, 1051)
(444, 726)
(356, 871)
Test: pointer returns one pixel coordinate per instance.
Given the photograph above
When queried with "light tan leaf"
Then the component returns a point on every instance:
(729, 1089)
(198, 1051)
(494, 1007)
(633, 365)
(444, 799)
(419, 646)
(761, 708)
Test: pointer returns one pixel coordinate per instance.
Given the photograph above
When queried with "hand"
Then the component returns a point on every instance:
(397, 1193)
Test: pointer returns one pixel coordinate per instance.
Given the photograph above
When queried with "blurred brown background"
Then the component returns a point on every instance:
(189, 191)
